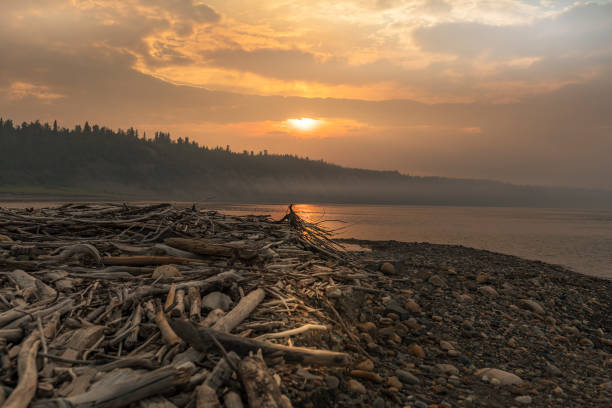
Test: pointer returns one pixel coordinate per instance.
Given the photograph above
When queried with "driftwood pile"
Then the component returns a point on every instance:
(106, 305)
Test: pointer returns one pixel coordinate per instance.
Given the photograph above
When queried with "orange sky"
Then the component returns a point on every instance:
(513, 90)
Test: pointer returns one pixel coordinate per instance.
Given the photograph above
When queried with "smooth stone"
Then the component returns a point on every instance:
(5, 238)
(412, 306)
(416, 350)
(332, 382)
(495, 375)
(366, 327)
(412, 324)
(446, 345)
(387, 268)
(606, 386)
(166, 271)
(524, 399)
(394, 307)
(217, 300)
(464, 298)
(406, 377)
(419, 404)
(378, 403)
(356, 387)
(366, 365)
(394, 382)
(553, 369)
(447, 369)
(488, 291)
(534, 306)
(586, 342)
(367, 375)
(437, 281)
(453, 353)
(482, 277)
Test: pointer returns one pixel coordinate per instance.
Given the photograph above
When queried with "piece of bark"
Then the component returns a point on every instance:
(27, 281)
(200, 339)
(206, 397)
(200, 246)
(242, 310)
(132, 338)
(81, 340)
(121, 389)
(179, 309)
(28, 374)
(195, 304)
(170, 297)
(261, 388)
(232, 400)
(222, 371)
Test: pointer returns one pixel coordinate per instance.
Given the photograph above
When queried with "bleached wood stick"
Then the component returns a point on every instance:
(242, 310)
(168, 335)
(195, 304)
(28, 375)
(292, 332)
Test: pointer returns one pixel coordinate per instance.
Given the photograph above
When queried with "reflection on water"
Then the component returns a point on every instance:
(578, 239)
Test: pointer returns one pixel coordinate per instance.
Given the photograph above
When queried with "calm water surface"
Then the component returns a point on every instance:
(578, 239)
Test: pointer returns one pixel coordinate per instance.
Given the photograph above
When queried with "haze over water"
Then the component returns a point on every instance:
(578, 239)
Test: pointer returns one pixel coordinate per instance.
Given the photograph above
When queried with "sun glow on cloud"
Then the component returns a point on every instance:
(304, 124)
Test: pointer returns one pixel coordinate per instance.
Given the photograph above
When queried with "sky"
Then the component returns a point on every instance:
(512, 90)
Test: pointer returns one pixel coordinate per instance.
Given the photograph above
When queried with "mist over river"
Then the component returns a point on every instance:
(578, 239)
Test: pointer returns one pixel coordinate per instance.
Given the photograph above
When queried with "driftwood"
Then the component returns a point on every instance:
(28, 375)
(201, 339)
(114, 335)
(261, 388)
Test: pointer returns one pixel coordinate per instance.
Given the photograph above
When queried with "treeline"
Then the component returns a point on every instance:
(123, 163)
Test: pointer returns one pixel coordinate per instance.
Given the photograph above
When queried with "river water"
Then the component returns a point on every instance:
(578, 239)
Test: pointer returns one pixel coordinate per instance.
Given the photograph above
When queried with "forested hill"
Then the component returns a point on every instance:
(121, 164)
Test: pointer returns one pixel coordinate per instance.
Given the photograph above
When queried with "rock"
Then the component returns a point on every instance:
(488, 291)
(585, 342)
(378, 403)
(217, 300)
(367, 375)
(464, 298)
(406, 377)
(332, 382)
(367, 327)
(419, 404)
(5, 238)
(333, 292)
(437, 281)
(446, 345)
(412, 324)
(356, 387)
(482, 277)
(553, 369)
(166, 271)
(366, 365)
(453, 353)
(453, 379)
(412, 306)
(533, 305)
(416, 350)
(394, 307)
(387, 268)
(605, 386)
(447, 369)
(394, 382)
(494, 375)
(523, 399)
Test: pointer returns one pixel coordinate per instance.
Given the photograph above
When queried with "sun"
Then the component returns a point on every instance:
(304, 124)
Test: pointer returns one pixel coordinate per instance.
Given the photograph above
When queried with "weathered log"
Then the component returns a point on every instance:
(261, 388)
(121, 389)
(11, 334)
(146, 260)
(232, 400)
(195, 304)
(156, 402)
(27, 281)
(168, 335)
(222, 371)
(28, 375)
(81, 340)
(242, 310)
(61, 308)
(200, 246)
(206, 397)
(200, 339)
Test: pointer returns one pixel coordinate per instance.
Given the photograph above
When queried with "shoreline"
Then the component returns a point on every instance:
(408, 324)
